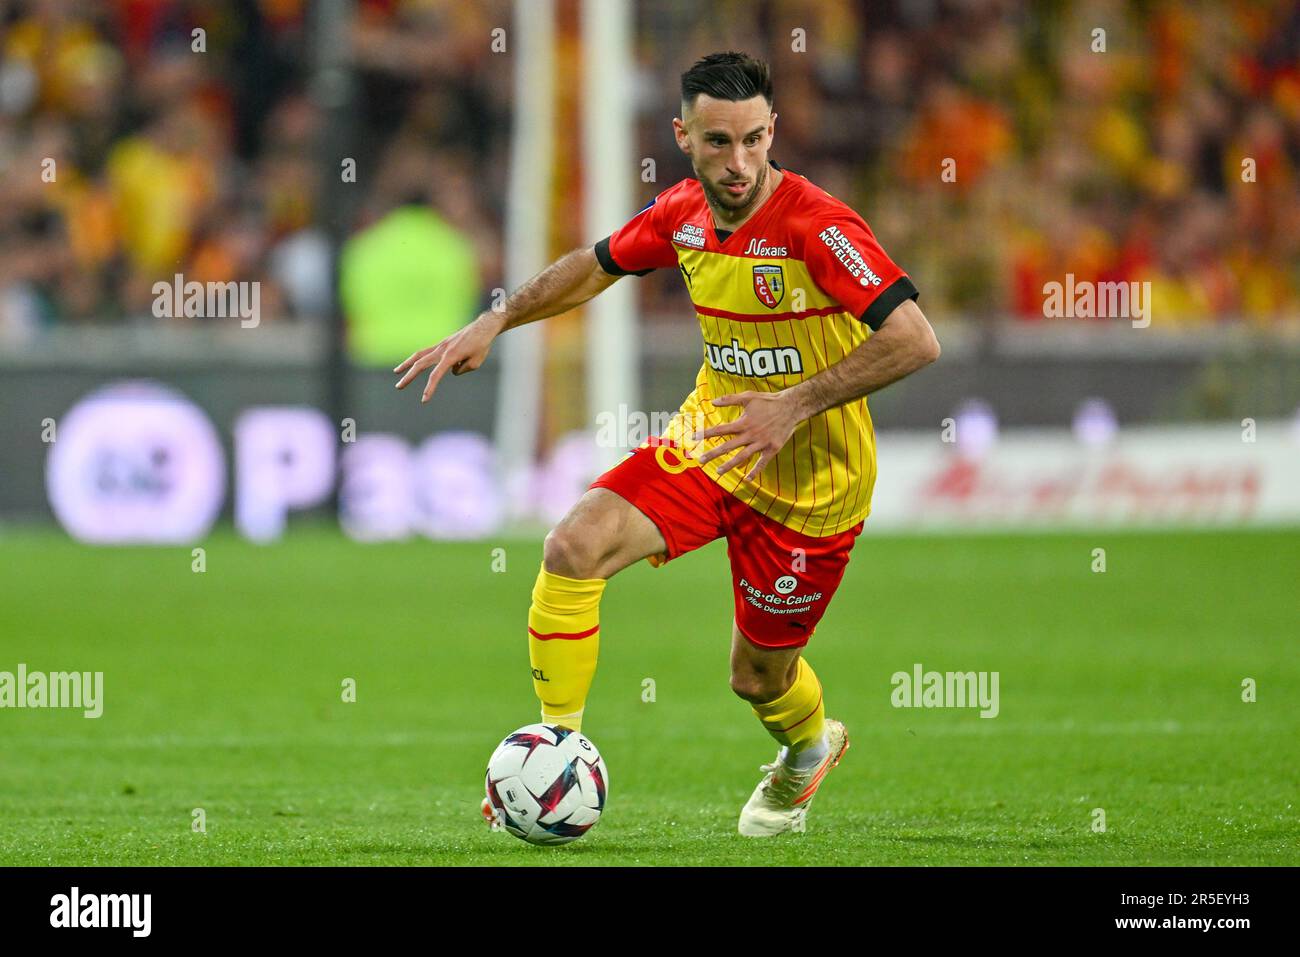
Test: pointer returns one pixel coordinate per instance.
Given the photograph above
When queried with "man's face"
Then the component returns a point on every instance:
(727, 142)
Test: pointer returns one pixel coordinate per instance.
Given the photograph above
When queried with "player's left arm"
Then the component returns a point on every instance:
(904, 343)
(844, 260)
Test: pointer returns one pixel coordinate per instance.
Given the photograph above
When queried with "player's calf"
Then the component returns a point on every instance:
(601, 535)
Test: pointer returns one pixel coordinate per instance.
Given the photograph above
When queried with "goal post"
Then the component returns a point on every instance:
(609, 170)
(527, 226)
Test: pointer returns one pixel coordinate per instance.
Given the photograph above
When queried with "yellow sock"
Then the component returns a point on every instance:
(797, 718)
(563, 642)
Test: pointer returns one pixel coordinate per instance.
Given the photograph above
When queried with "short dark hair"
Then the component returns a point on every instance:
(727, 76)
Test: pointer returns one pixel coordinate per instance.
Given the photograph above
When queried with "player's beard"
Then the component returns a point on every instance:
(728, 202)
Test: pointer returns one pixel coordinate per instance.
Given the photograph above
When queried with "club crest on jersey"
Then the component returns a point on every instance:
(769, 285)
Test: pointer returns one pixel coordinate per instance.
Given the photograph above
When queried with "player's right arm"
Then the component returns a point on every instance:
(639, 246)
(565, 284)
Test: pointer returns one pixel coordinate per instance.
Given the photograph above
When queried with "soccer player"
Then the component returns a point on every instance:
(802, 315)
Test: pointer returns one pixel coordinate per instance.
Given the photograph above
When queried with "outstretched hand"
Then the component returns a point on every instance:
(763, 429)
(461, 352)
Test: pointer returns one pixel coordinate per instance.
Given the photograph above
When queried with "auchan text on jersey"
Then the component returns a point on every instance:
(735, 358)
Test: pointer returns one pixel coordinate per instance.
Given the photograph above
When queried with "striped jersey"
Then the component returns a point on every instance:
(792, 291)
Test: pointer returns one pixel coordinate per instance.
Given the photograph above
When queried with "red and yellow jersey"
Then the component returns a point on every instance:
(797, 287)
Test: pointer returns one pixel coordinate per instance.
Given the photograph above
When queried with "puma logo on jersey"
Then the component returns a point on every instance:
(736, 359)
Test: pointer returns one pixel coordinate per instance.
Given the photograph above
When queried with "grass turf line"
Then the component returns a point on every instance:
(1119, 691)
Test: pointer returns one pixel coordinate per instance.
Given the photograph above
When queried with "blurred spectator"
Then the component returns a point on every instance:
(127, 155)
(406, 282)
(133, 148)
(1122, 165)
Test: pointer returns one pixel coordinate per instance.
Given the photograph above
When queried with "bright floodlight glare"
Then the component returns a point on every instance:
(976, 428)
(1095, 423)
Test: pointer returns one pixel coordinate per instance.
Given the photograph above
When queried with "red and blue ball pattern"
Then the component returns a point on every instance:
(548, 784)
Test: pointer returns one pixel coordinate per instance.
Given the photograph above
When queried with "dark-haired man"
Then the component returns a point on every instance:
(802, 316)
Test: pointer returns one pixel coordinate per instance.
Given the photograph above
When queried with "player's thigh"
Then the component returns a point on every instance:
(602, 534)
(654, 504)
(783, 581)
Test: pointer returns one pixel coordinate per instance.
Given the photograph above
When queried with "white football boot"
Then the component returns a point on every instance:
(780, 802)
(491, 815)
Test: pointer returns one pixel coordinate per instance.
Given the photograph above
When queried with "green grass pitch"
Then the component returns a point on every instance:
(1120, 690)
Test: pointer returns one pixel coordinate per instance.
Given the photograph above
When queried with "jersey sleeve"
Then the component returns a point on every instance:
(640, 245)
(847, 263)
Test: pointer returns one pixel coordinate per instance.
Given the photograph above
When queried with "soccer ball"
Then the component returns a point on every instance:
(547, 783)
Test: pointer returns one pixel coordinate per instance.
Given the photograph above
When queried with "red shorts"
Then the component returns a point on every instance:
(783, 580)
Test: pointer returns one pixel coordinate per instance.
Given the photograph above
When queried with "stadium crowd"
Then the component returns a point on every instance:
(133, 148)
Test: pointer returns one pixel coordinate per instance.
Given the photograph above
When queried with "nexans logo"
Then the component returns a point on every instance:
(759, 247)
(736, 359)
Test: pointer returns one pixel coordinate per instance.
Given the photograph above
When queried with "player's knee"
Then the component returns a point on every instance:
(569, 552)
(756, 687)
(744, 686)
